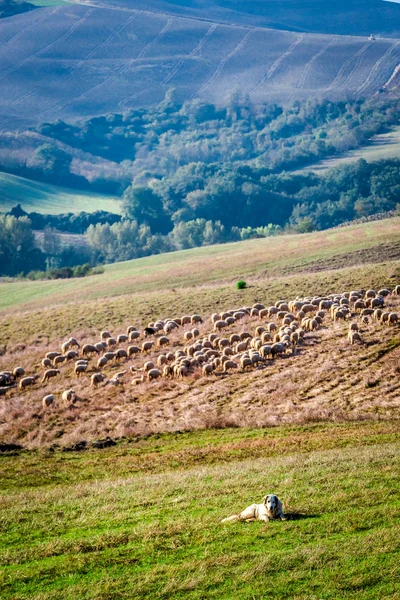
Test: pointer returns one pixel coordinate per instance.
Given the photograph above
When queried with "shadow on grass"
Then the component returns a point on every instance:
(295, 516)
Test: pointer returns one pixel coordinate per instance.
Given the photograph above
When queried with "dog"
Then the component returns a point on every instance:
(270, 508)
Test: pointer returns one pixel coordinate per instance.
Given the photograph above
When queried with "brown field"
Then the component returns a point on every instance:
(324, 379)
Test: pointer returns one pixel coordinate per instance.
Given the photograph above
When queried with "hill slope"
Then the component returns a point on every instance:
(324, 378)
(72, 61)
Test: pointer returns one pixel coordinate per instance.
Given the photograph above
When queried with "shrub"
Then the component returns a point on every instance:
(241, 285)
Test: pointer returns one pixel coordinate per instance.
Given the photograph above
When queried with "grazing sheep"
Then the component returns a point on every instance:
(89, 349)
(229, 364)
(393, 319)
(48, 401)
(18, 372)
(73, 342)
(68, 396)
(50, 373)
(396, 290)
(111, 342)
(207, 369)
(133, 350)
(161, 360)
(187, 336)
(181, 371)
(26, 381)
(153, 374)
(59, 360)
(65, 346)
(353, 337)
(46, 362)
(278, 349)
(162, 341)
(148, 366)
(52, 355)
(370, 294)
(4, 390)
(134, 335)
(130, 328)
(146, 347)
(71, 355)
(149, 331)
(196, 319)
(339, 314)
(385, 317)
(80, 369)
(104, 335)
(96, 379)
(218, 325)
(110, 355)
(353, 327)
(102, 362)
(120, 354)
(245, 362)
(122, 338)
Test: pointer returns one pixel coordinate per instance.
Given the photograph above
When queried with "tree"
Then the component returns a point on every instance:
(18, 251)
(142, 204)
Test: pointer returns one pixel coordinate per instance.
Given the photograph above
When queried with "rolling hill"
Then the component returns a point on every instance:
(41, 197)
(81, 60)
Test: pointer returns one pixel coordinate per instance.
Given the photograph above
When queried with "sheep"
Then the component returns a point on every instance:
(122, 338)
(65, 346)
(384, 292)
(25, 381)
(120, 354)
(104, 335)
(161, 360)
(385, 317)
(130, 328)
(89, 349)
(133, 350)
(111, 342)
(18, 372)
(278, 349)
(149, 331)
(153, 374)
(353, 327)
(181, 371)
(366, 312)
(48, 401)
(59, 360)
(218, 325)
(265, 351)
(396, 290)
(110, 355)
(50, 373)
(393, 319)
(100, 346)
(186, 320)
(245, 361)
(168, 371)
(207, 369)
(71, 355)
(234, 338)
(148, 366)
(46, 362)
(229, 364)
(96, 379)
(147, 346)
(370, 294)
(134, 335)
(196, 319)
(353, 337)
(254, 312)
(162, 341)
(68, 396)
(137, 380)
(52, 355)
(359, 305)
(73, 342)
(80, 369)
(102, 362)
(4, 390)
(187, 336)
(339, 314)
(271, 327)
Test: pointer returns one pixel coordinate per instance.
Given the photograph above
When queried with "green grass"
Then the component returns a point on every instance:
(43, 3)
(382, 146)
(51, 199)
(142, 519)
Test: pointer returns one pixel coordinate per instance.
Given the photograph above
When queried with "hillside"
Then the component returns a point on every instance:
(53, 68)
(41, 197)
(324, 378)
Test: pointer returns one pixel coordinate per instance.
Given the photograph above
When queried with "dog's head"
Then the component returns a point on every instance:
(271, 503)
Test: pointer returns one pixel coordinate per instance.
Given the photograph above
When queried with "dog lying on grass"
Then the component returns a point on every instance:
(270, 508)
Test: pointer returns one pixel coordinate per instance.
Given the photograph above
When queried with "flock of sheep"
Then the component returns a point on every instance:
(203, 346)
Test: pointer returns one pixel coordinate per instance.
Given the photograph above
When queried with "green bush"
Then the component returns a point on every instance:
(241, 285)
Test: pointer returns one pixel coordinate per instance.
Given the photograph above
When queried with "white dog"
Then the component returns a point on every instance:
(271, 508)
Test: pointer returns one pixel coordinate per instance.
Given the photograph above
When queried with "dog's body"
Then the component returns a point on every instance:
(270, 508)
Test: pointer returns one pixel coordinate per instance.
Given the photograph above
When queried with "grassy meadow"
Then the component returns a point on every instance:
(35, 196)
(142, 519)
(381, 147)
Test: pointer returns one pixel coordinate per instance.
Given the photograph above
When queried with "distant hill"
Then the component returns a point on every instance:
(79, 61)
(338, 17)
(9, 8)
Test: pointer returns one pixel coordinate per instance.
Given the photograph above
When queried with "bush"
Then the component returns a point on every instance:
(241, 285)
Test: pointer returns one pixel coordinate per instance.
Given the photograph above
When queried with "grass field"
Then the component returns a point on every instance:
(50, 199)
(142, 519)
(383, 146)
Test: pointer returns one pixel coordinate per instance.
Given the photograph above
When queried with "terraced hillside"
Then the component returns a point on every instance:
(79, 60)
